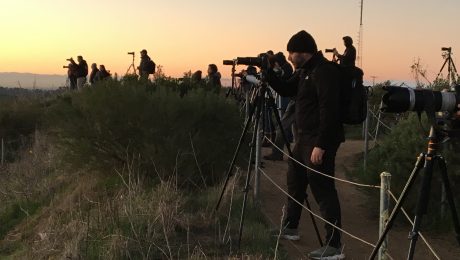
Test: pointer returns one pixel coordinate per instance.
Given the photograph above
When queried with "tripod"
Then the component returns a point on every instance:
(131, 65)
(428, 161)
(232, 89)
(257, 105)
(452, 74)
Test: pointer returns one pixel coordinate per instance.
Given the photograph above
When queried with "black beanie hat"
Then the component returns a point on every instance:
(302, 42)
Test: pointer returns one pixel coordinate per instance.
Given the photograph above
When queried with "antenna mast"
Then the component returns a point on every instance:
(360, 38)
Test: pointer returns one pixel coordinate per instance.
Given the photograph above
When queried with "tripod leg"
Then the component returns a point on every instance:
(422, 203)
(397, 208)
(238, 147)
(278, 120)
(449, 196)
(440, 71)
(248, 175)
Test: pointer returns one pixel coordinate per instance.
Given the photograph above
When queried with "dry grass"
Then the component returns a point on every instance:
(86, 216)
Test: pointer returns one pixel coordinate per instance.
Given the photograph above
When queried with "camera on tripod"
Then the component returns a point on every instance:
(329, 50)
(401, 99)
(131, 53)
(448, 49)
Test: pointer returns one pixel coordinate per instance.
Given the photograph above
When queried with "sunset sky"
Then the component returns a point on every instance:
(38, 35)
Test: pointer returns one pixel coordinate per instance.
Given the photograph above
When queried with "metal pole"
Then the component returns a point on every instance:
(248, 102)
(366, 137)
(443, 201)
(3, 151)
(257, 160)
(385, 179)
(377, 128)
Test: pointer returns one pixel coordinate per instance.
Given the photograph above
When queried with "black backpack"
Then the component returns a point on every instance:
(150, 68)
(353, 95)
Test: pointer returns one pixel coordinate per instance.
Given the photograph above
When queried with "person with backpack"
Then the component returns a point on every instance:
(81, 71)
(316, 86)
(147, 66)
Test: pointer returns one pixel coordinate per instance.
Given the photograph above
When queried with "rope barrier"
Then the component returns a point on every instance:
(314, 214)
(379, 120)
(325, 175)
(412, 223)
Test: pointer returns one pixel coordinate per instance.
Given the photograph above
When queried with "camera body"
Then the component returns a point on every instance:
(65, 67)
(70, 59)
(329, 50)
(131, 53)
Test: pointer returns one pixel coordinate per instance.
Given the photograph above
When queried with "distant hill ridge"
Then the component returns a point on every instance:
(30, 80)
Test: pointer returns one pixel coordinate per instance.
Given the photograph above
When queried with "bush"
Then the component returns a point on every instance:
(111, 123)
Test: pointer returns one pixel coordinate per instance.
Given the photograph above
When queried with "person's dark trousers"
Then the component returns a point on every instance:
(286, 123)
(323, 188)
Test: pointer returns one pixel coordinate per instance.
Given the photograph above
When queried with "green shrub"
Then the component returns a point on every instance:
(113, 122)
(19, 118)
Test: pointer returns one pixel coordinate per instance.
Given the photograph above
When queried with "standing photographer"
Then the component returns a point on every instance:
(320, 132)
(81, 71)
(348, 58)
(147, 66)
(284, 71)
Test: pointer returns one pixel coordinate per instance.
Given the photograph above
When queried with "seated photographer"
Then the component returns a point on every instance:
(94, 71)
(102, 74)
(348, 58)
(213, 78)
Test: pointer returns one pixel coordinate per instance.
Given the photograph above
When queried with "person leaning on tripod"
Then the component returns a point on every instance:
(315, 84)
(284, 71)
(348, 58)
(81, 71)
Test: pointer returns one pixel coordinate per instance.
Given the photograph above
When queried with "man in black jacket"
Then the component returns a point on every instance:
(81, 71)
(320, 132)
(348, 58)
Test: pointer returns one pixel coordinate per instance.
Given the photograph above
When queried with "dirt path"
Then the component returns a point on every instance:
(358, 218)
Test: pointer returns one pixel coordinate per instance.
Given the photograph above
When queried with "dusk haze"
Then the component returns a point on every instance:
(38, 36)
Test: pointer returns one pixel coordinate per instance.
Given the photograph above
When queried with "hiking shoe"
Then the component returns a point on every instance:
(287, 233)
(273, 157)
(327, 253)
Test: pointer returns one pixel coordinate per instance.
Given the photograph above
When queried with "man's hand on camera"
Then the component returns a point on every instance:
(336, 53)
(317, 156)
